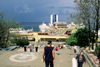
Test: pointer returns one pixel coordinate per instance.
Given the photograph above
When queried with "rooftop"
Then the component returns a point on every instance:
(60, 23)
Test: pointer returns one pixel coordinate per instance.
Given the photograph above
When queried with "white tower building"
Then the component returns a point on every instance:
(51, 19)
(56, 17)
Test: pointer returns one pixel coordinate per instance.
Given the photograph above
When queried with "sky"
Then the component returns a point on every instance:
(36, 10)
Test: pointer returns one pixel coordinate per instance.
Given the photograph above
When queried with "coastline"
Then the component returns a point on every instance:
(35, 25)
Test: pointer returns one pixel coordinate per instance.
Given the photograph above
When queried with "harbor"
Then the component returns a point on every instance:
(35, 37)
(50, 33)
(55, 31)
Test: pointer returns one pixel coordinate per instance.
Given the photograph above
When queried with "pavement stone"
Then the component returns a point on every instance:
(64, 59)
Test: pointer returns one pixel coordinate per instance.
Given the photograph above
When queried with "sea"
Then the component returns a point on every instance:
(34, 25)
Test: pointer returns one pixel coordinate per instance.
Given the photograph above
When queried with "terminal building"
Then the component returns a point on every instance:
(60, 24)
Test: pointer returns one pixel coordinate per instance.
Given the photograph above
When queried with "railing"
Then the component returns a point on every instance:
(87, 56)
(89, 59)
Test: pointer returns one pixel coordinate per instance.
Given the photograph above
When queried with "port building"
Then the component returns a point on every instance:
(60, 24)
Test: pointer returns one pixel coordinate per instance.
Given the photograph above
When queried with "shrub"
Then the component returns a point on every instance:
(72, 40)
(82, 37)
(21, 41)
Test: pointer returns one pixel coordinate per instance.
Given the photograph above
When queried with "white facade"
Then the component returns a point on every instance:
(56, 18)
(51, 17)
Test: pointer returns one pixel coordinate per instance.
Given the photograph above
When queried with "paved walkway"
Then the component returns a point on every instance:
(32, 59)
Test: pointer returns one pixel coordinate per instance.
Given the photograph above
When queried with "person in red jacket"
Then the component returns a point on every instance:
(56, 49)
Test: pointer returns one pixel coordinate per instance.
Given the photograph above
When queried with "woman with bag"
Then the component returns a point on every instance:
(80, 59)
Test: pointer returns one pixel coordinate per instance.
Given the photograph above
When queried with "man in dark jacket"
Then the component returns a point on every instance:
(81, 59)
(48, 52)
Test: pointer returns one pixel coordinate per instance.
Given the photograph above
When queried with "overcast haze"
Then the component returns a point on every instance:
(36, 10)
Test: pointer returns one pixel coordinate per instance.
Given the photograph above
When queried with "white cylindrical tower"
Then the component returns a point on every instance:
(56, 17)
(51, 19)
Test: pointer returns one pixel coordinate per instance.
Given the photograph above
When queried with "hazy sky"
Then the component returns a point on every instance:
(36, 10)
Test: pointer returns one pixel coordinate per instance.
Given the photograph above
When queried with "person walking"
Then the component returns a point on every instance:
(31, 48)
(48, 52)
(81, 59)
(36, 48)
(56, 48)
(25, 49)
(74, 50)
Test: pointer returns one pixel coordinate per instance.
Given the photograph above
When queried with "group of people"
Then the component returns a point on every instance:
(59, 47)
(49, 56)
(31, 47)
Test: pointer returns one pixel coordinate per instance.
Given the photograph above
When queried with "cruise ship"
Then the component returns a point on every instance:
(44, 27)
(20, 30)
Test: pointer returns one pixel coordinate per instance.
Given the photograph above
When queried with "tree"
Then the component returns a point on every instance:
(82, 37)
(72, 40)
(97, 20)
(88, 14)
(11, 24)
(21, 41)
(5, 25)
(3, 29)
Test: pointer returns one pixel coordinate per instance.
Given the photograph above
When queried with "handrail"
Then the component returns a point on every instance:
(89, 58)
